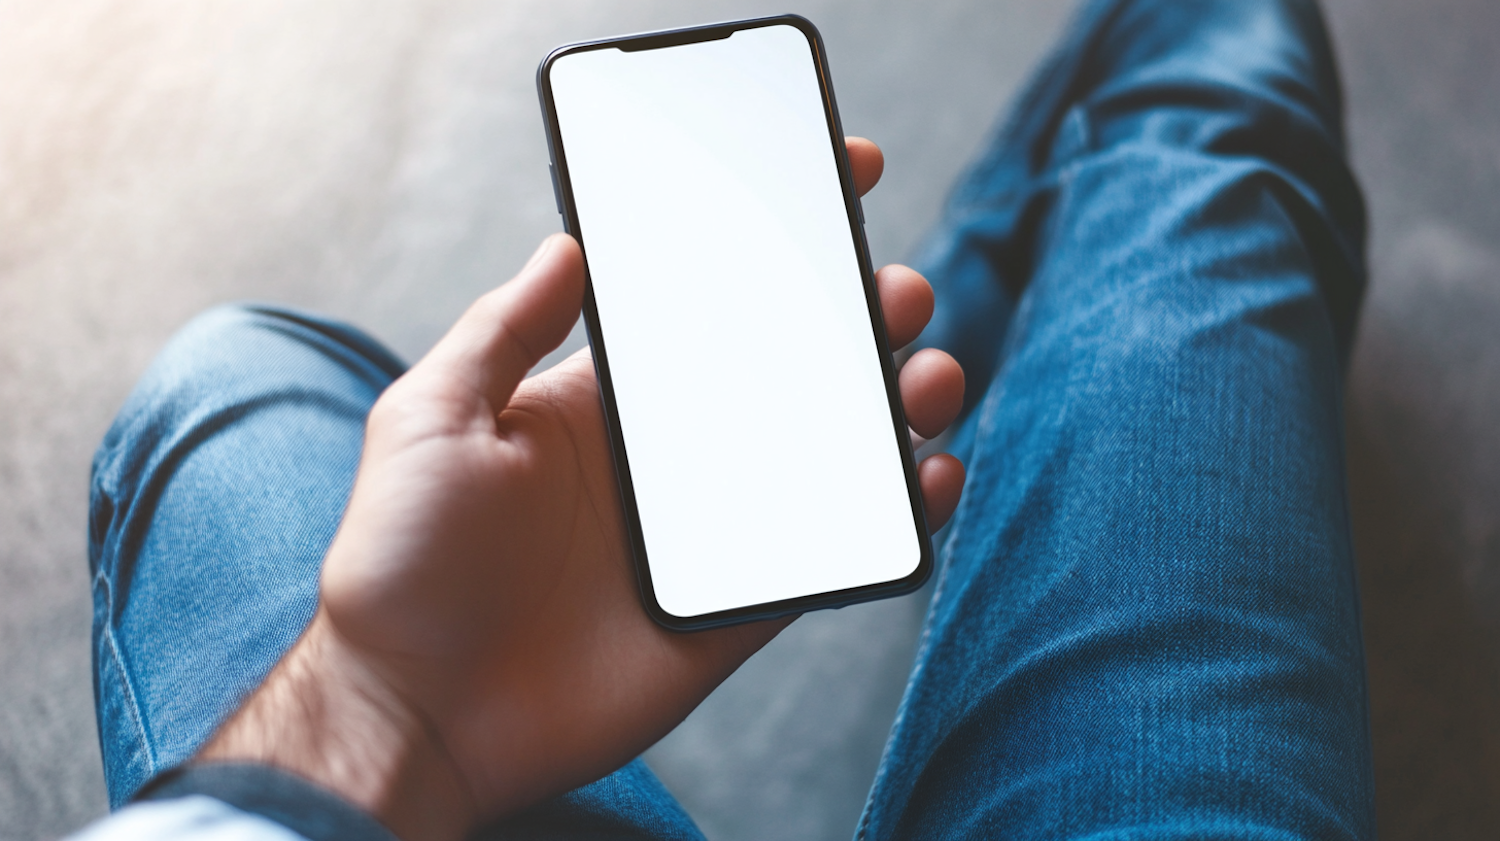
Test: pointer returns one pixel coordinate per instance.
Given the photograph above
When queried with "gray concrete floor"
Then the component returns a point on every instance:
(382, 160)
(1424, 405)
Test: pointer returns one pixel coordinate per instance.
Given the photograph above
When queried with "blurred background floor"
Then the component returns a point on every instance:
(383, 161)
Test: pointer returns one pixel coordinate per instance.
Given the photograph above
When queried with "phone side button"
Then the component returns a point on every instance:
(556, 191)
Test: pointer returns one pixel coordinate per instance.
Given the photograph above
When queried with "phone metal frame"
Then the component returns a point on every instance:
(562, 187)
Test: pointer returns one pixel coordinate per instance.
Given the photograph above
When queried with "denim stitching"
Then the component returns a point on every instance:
(117, 661)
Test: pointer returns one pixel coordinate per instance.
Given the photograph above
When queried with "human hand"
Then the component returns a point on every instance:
(481, 643)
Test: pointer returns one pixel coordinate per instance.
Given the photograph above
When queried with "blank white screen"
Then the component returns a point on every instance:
(751, 400)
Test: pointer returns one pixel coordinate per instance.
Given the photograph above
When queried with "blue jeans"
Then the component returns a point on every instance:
(1146, 622)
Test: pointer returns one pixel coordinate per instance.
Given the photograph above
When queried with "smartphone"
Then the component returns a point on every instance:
(764, 460)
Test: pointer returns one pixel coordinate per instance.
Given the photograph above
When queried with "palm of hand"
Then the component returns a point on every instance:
(527, 610)
(483, 574)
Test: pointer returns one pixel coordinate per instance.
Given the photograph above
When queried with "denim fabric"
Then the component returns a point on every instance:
(1146, 620)
(215, 495)
(1146, 624)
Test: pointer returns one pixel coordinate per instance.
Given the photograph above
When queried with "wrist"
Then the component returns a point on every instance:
(326, 716)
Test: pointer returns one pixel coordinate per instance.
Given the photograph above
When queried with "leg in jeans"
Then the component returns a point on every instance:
(1147, 625)
(215, 494)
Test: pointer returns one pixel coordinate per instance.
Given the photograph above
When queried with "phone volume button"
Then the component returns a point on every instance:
(556, 190)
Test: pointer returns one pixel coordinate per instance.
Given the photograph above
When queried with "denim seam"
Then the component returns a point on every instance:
(924, 644)
(987, 410)
(1340, 410)
(117, 662)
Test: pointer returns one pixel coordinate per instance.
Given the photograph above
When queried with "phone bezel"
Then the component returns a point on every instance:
(562, 186)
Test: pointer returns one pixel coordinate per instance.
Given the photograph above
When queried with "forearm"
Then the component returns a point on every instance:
(327, 718)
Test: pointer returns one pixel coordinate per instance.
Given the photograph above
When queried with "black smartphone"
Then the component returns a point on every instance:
(763, 456)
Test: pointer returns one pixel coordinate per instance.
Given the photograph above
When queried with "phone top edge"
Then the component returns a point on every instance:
(659, 38)
(666, 37)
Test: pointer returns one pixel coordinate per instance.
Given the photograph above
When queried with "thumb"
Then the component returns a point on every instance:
(508, 331)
